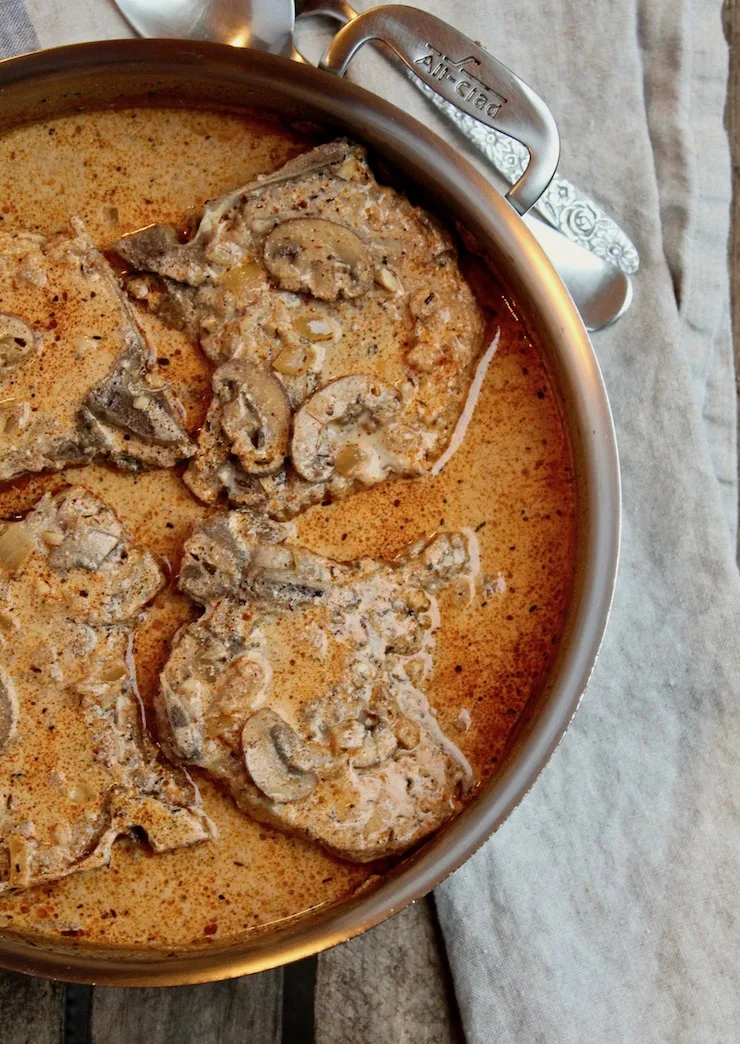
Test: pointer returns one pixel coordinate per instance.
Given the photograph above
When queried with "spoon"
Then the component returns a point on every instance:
(265, 25)
(600, 292)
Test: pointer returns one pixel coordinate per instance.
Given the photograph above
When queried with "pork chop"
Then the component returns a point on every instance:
(76, 377)
(77, 766)
(343, 332)
(301, 687)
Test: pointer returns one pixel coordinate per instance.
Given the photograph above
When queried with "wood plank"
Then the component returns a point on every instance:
(731, 15)
(389, 986)
(299, 989)
(239, 1011)
(31, 1010)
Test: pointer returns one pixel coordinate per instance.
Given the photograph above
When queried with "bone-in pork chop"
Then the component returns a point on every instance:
(301, 687)
(77, 767)
(76, 377)
(343, 331)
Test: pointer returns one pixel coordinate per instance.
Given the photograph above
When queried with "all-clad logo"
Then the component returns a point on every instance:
(473, 92)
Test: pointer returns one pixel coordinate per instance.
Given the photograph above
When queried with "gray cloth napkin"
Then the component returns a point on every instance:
(605, 909)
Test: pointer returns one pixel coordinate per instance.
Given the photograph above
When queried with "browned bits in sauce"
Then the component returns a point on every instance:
(490, 655)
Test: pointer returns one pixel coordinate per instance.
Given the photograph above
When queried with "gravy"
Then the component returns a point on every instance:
(510, 480)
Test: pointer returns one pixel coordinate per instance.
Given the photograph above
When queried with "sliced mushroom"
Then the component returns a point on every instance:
(255, 415)
(322, 258)
(17, 342)
(330, 421)
(274, 756)
(8, 711)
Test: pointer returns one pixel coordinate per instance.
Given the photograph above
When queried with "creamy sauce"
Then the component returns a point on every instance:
(510, 480)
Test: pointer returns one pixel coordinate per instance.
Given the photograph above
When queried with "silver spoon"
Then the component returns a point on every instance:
(265, 25)
(601, 292)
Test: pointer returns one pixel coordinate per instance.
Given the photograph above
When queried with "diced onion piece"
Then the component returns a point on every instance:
(314, 328)
(295, 359)
(114, 672)
(80, 793)
(349, 459)
(52, 538)
(15, 547)
(8, 624)
(242, 276)
(387, 279)
(349, 170)
(84, 345)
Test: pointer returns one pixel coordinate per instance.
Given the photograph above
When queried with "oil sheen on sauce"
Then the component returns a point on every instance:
(510, 480)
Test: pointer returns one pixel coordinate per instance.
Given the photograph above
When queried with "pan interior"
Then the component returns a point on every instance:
(142, 158)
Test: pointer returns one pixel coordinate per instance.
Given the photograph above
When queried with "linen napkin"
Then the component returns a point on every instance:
(605, 909)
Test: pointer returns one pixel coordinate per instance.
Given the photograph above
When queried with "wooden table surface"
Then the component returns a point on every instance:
(390, 986)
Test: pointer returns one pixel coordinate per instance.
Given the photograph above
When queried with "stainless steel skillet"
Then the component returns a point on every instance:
(96, 75)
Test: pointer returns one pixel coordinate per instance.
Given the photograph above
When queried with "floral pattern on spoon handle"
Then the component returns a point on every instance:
(562, 205)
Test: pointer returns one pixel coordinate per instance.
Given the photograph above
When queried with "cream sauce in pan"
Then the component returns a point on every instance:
(510, 480)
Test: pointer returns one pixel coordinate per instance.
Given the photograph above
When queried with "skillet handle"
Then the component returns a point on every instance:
(465, 75)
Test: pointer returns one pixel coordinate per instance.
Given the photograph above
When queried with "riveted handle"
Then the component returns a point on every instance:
(460, 71)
